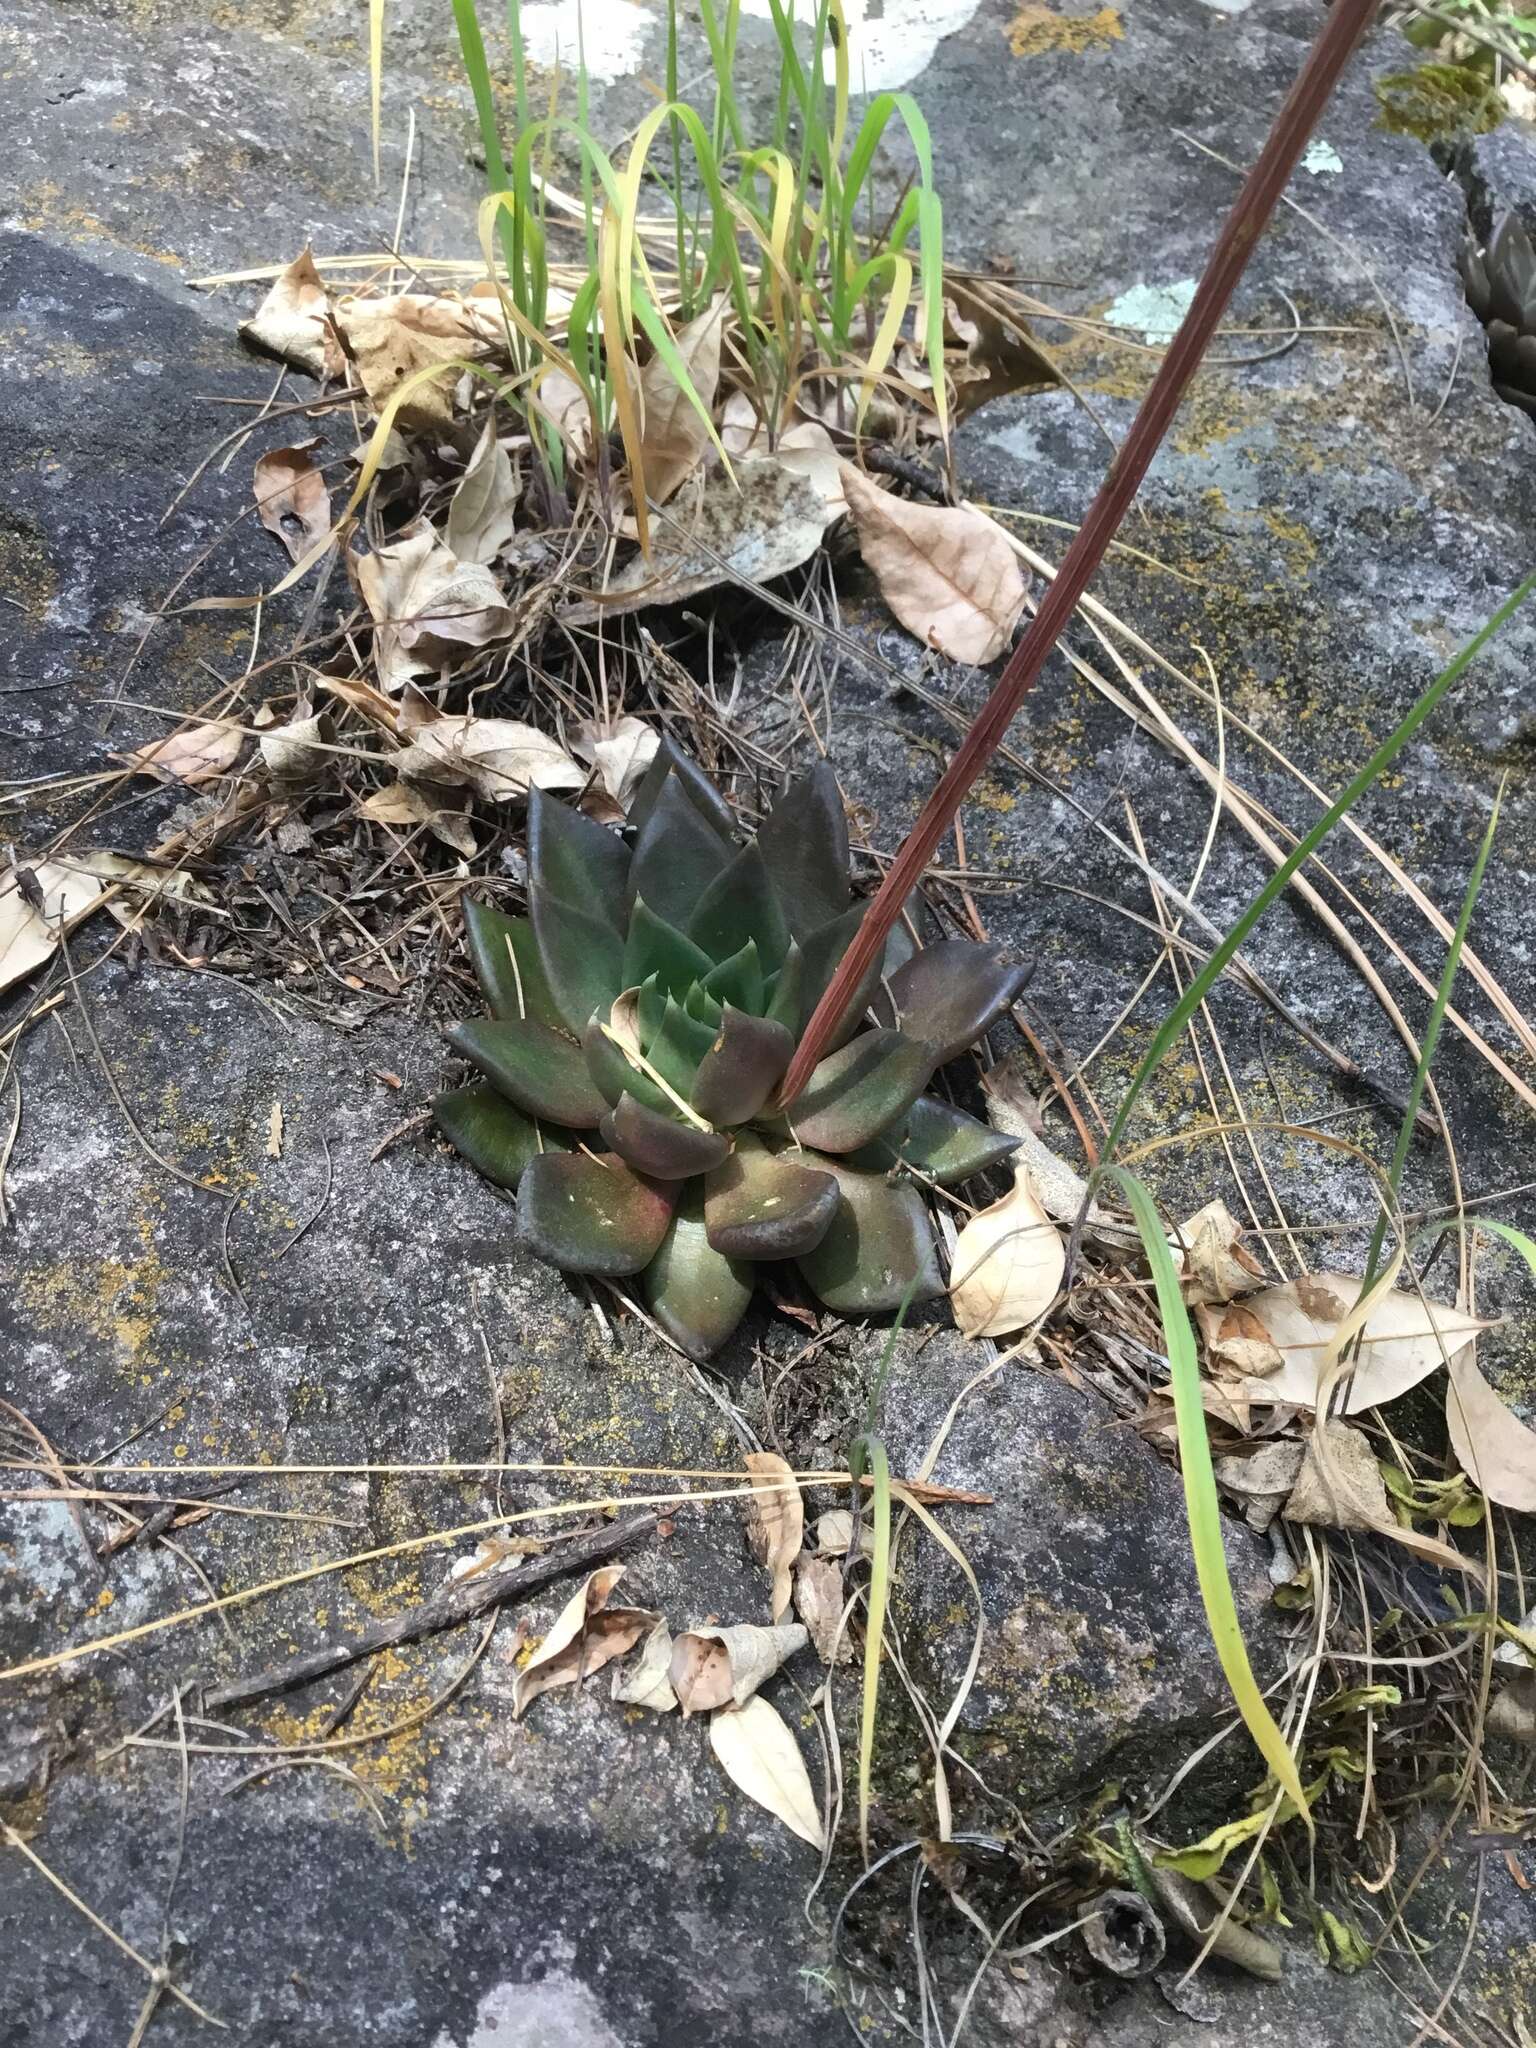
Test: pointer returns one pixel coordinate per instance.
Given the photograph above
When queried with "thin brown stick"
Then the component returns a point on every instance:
(462, 1600)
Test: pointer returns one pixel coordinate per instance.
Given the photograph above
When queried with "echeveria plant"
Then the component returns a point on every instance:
(641, 1019)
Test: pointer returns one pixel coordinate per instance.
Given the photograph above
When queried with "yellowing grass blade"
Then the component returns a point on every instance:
(886, 336)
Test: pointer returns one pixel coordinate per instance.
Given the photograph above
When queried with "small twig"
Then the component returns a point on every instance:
(460, 1601)
(418, 1122)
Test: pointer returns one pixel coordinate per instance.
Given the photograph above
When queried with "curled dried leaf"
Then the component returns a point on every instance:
(820, 1602)
(426, 604)
(1236, 1342)
(1217, 1266)
(297, 752)
(948, 575)
(711, 1666)
(775, 1524)
(645, 1683)
(498, 758)
(291, 498)
(481, 514)
(292, 321)
(198, 753)
(672, 435)
(1403, 1341)
(1008, 1264)
(586, 1634)
(1495, 1449)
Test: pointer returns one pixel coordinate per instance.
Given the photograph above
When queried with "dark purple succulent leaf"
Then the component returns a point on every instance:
(767, 1205)
(654, 947)
(576, 860)
(741, 1069)
(804, 840)
(671, 762)
(878, 1245)
(542, 1071)
(591, 1215)
(583, 958)
(738, 980)
(738, 905)
(677, 855)
(677, 1048)
(857, 1091)
(484, 1128)
(505, 956)
(696, 1294)
(661, 1145)
(823, 950)
(948, 994)
(612, 1072)
(936, 1140)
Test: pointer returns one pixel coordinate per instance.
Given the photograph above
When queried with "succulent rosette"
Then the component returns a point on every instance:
(642, 1017)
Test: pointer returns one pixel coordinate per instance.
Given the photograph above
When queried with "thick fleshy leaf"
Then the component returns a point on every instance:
(738, 905)
(654, 947)
(741, 1069)
(613, 1074)
(877, 1244)
(660, 1145)
(484, 1128)
(823, 950)
(670, 760)
(541, 1071)
(860, 1089)
(738, 980)
(591, 1215)
(939, 1142)
(804, 839)
(583, 958)
(677, 855)
(678, 1049)
(785, 992)
(505, 956)
(697, 1294)
(948, 994)
(575, 859)
(767, 1205)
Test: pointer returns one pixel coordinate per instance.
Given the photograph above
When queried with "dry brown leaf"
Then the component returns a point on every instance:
(36, 902)
(291, 322)
(1342, 1490)
(820, 1601)
(198, 753)
(1262, 1481)
(404, 804)
(765, 524)
(647, 1684)
(713, 1665)
(1400, 1347)
(389, 340)
(834, 1533)
(996, 357)
(1236, 1342)
(297, 752)
(804, 447)
(586, 1634)
(1007, 1265)
(1216, 1266)
(757, 1752)
(291, 498)
(425, 603)
(775, 1525)
(618, 751)
(563, 403)
(481, 512)
(949, 576)
(1495, 1449)
(498, 758)
(672, 435)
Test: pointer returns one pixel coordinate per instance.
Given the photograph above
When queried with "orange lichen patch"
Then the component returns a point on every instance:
(1037, 30)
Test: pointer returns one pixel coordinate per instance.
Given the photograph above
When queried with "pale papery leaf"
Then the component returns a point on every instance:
(406, 804)
(775, 1525)
(713, 1665)
(498, 758)
(29, 935)
(834, 1533)
(481, 514)
(291, 322)
(1217, 1265)
(1007, 1265)
(619, 751)
(296, 753)
(948, 575)
(197, 753)
(585, 1635)
(820, 1601)
(757, 1752)
(763, 525)
(1495, 1449)
(389, 340)
(291, 498)
(672, 435)
(425, 603)
(561, 401)
(1236, 1342)
(646, 1684)
(1404, 1340)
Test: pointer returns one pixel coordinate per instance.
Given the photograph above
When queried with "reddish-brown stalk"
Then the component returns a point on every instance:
(1336, 43)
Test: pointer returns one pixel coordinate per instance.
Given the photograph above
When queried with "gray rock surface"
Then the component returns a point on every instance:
(587, 1876)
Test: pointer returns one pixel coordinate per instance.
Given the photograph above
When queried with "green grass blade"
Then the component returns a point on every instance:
(1200, 1501)
(1200, 987)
